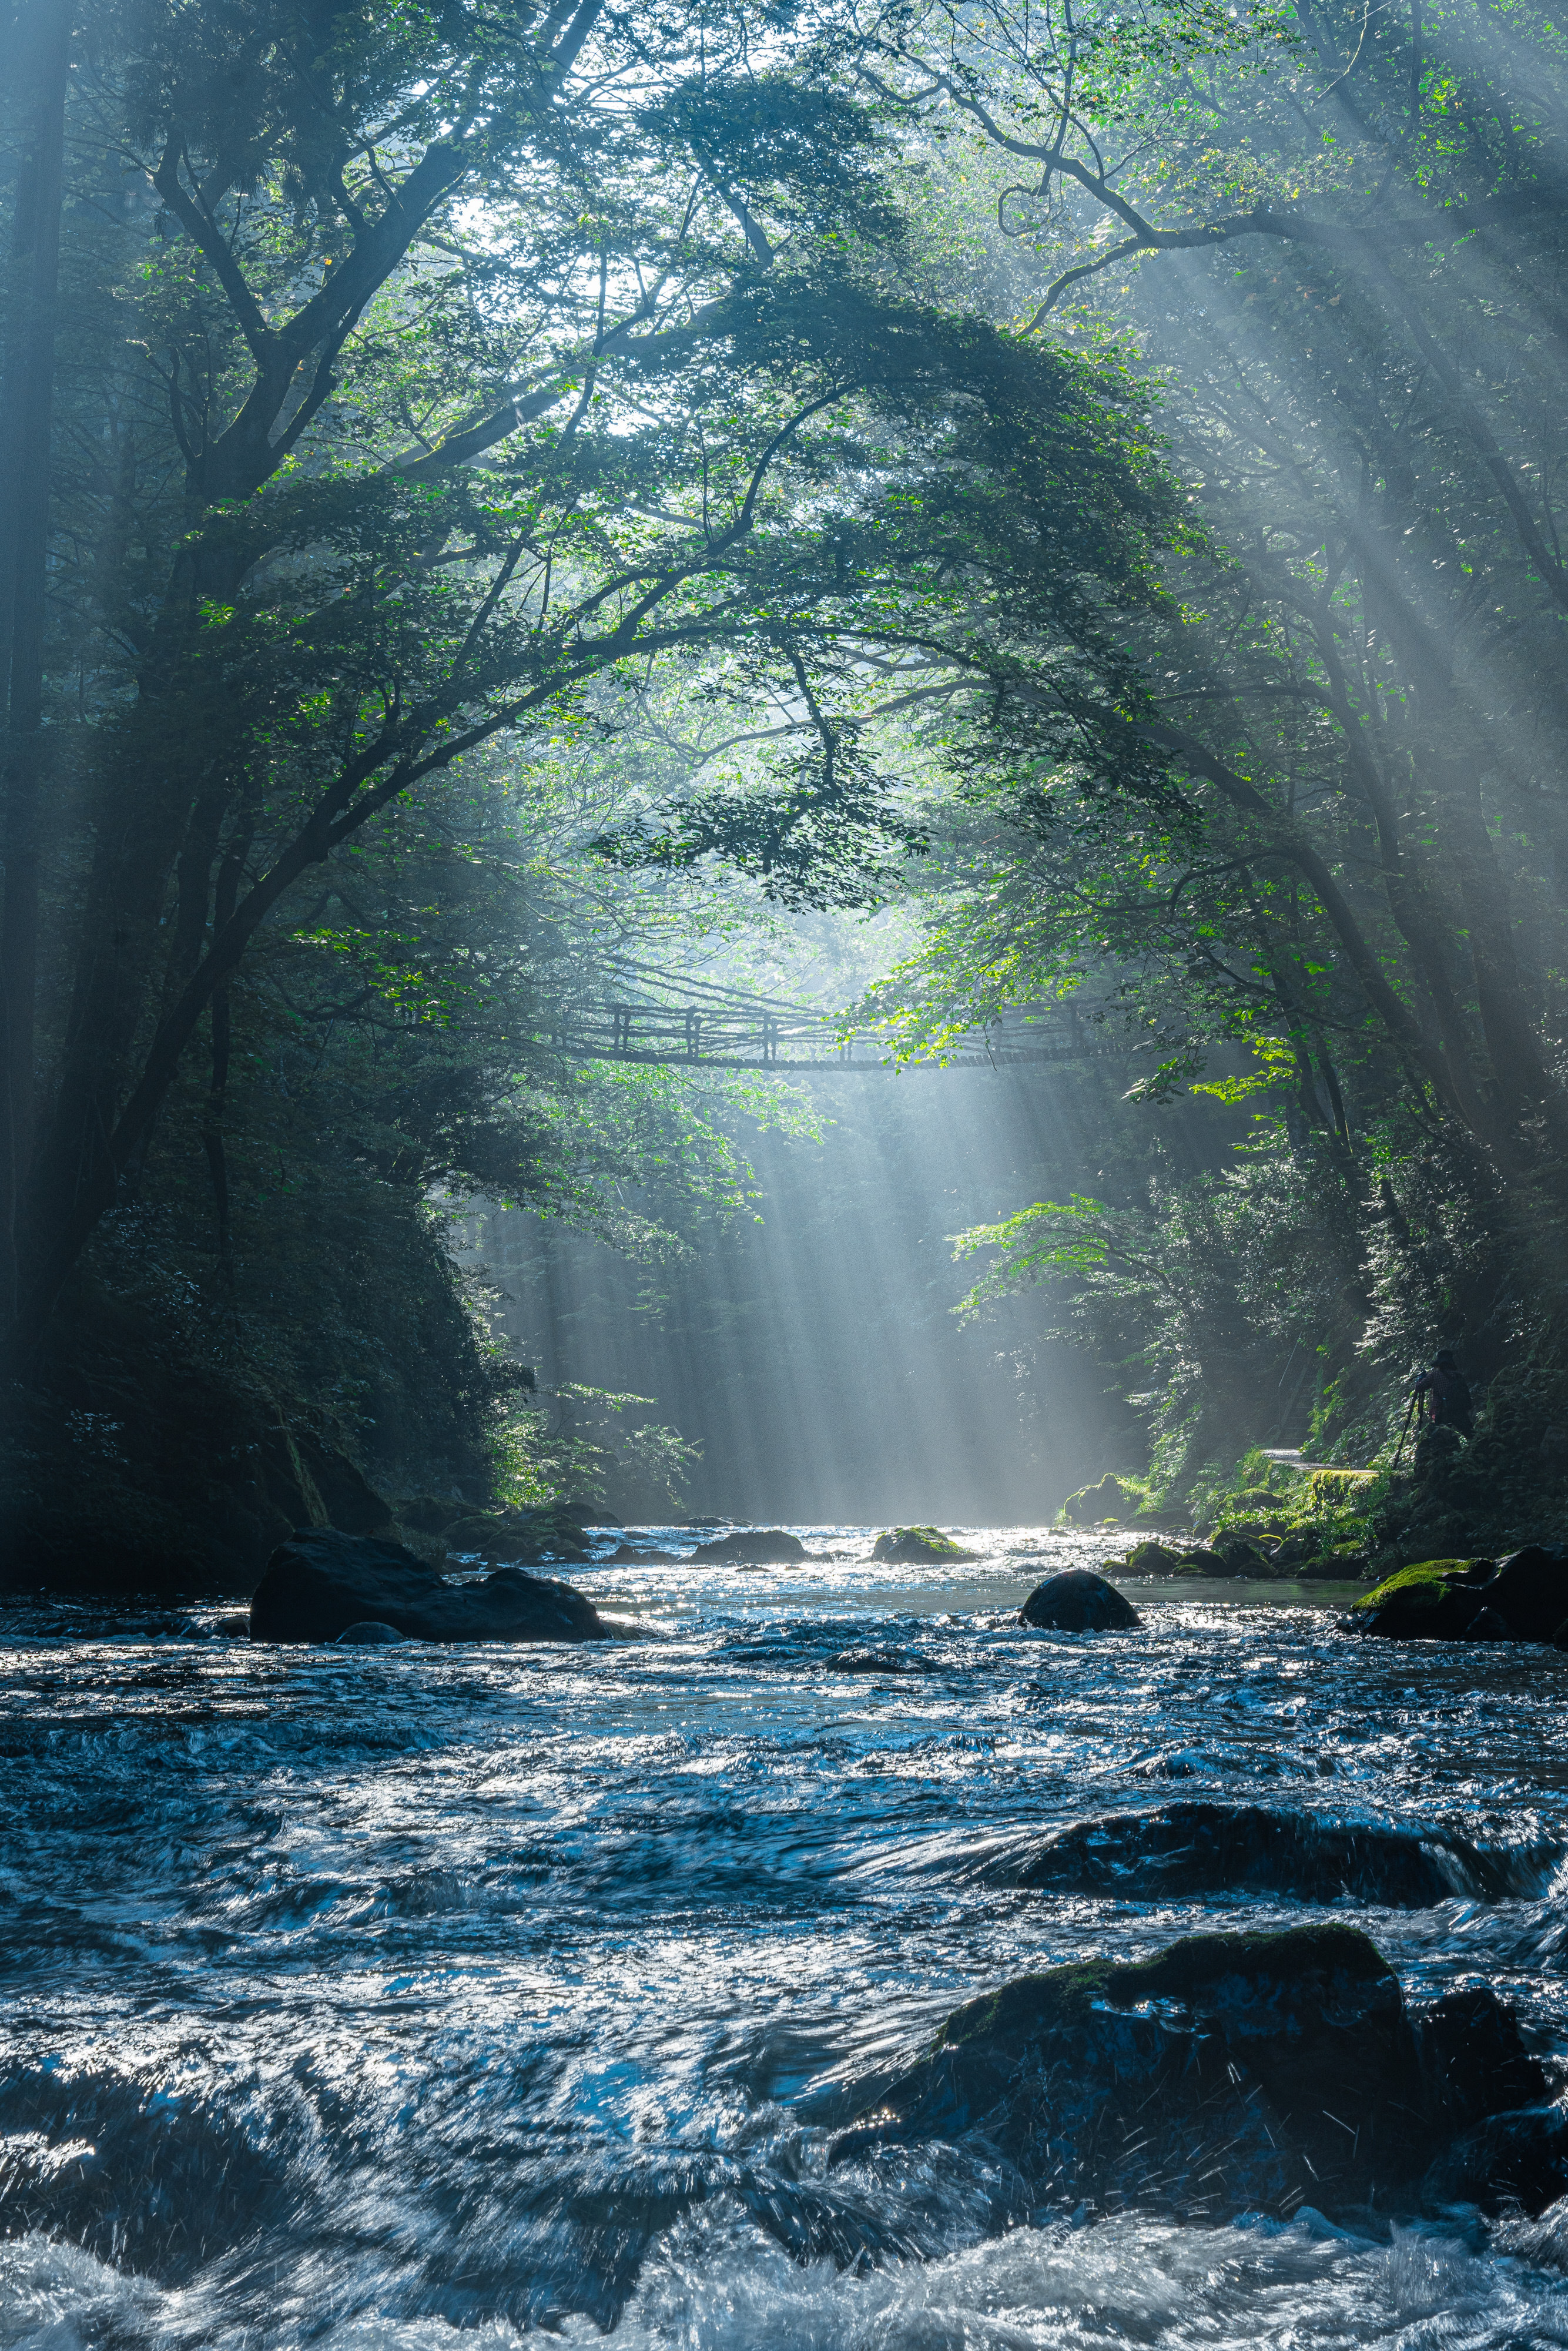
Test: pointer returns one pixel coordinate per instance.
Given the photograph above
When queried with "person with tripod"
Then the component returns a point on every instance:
(1440, 1399)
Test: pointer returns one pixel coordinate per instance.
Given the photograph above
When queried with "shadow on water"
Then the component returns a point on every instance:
(387, 1993)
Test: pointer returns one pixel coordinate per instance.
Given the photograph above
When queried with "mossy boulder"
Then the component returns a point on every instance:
(1202, 1560)
(1254, 2072)
(1156, 1558)
(918, 1546)
(1432, 1600)
(1524, 1598)
(1110, 1497)
(1340, 1490)
(1240, 1555)
(1153, 1557)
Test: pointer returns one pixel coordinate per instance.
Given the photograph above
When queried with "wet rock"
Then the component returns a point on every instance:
(918, 1546)
(1510, 2159)
(367, 1634)
(322, 1582)
(1530, 1592)
(1475, 2058)
(1522, 1598)
(1077, 1602)
(1197, 1849)
(754, 1547)
(1230, 2073)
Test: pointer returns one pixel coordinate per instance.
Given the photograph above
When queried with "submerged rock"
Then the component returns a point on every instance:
(367, 1634)
(1524, 1598)
(754, 1547)
(1077, 1602)
(1197, 1849)
(918, 1546)
(1230, 2073)
(322, 1582)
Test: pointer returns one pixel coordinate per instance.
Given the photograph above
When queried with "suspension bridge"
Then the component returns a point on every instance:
(636, 1012)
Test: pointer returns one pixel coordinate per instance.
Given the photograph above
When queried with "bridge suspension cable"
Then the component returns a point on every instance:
(636, 1012)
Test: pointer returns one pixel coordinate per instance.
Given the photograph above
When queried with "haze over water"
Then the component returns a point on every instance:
(385, 1997)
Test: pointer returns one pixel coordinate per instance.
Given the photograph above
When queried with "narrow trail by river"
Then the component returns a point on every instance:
(377, 1996)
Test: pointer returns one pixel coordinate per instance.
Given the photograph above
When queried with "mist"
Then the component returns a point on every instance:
(815, 1353)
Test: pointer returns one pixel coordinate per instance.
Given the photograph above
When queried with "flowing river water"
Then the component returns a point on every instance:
(381, 1998)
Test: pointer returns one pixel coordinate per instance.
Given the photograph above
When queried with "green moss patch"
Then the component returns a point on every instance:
(918, 1545)
(1424, 1586)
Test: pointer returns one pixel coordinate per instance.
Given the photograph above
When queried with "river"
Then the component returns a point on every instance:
(373, 1997)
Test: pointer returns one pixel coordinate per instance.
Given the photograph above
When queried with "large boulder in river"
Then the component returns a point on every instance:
(1525, 1598)
(1077, 1602)
(754, 1547)
(918, 1547)
(322, 1582)
(1230, 2073)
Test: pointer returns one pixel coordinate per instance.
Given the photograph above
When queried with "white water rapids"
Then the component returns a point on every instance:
(407, 1998)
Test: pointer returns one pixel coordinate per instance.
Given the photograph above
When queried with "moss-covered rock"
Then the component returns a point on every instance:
(1523, 1599)
(1156, 1558)
(1201, 1559)
(1152, 1558)
(1241, 1555)
(1340, 1490)
(1432, 1600)
(1109, 1497)
(918, 1546)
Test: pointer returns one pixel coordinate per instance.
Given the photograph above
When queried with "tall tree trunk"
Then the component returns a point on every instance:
(25, 433)
(1524, 1083)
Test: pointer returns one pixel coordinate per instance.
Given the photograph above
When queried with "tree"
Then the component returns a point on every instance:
(356, 237)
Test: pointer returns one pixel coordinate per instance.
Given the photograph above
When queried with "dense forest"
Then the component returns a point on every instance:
(966, 514)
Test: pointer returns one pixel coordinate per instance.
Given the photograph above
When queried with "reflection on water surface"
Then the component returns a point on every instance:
(372, 1995)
